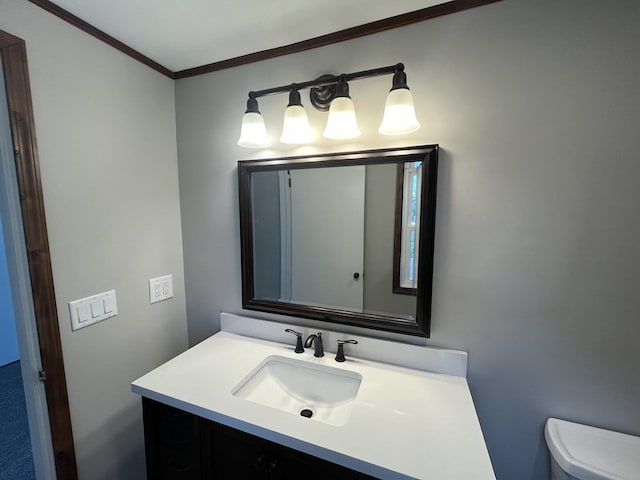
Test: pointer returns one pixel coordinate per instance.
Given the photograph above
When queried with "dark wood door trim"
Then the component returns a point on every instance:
(14, 60)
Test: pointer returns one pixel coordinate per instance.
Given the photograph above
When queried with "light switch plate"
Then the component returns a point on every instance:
(160, 288)
(93, 309)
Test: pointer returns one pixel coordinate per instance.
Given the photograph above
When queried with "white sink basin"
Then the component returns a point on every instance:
(302, 388)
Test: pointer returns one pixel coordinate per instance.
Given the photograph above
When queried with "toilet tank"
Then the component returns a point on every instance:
(588, 453)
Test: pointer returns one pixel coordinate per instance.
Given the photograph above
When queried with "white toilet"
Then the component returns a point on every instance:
(587, 453)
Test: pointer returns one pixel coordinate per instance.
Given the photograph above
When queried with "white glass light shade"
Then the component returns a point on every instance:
(399, 114)
(253, 133)
(295, 128)
(342, 123)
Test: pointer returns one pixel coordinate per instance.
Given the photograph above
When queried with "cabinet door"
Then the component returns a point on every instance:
(172, 443)
(294, 465)
(239, 456)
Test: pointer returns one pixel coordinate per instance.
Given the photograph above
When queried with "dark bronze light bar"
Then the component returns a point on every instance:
(330, 92)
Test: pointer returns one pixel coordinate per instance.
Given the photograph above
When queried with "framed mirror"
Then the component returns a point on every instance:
(343, 238)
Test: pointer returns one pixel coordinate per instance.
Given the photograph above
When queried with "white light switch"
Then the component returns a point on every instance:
(83, 312)
(160, 288)
(96, 309)
(89, 310)
(107, 304)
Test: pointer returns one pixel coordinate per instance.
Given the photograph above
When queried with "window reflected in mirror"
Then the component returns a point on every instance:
(407, 228)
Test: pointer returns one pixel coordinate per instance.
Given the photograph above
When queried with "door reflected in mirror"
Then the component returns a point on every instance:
(339, 237)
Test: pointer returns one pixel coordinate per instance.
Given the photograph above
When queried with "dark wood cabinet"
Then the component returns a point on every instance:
(297, 465)
(173, 443)
(238, 455)
(182, 446)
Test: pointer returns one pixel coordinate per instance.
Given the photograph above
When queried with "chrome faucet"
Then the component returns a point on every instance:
(316, 339)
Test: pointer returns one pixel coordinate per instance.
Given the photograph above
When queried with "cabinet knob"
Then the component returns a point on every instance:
(178, 464)
(259, 461)
(356, 276)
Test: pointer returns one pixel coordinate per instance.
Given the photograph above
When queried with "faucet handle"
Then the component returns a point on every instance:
(299, 347)
(340, 355)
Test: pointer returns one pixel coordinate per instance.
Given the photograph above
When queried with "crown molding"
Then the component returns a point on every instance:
(390, 23)
(340, 36)
(100, 35)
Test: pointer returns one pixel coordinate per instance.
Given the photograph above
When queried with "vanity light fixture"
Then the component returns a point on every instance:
(342, 123)
(330, 93)
(253, 133)
(296, 128)
(399, 114)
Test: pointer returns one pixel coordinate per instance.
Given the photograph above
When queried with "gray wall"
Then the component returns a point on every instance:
(106, 139)
(536, 258)
(379, 218)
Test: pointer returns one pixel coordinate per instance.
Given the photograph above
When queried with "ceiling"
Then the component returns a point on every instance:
(189, 33)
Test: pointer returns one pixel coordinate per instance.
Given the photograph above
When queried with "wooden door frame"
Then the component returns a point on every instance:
(18, 91)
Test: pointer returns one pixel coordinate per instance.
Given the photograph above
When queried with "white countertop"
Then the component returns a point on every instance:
(405, 423)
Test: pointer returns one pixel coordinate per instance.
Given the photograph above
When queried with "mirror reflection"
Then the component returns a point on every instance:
(407, 228)
(325, 237)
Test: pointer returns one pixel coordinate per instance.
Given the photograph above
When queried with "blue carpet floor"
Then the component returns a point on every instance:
(16, 460)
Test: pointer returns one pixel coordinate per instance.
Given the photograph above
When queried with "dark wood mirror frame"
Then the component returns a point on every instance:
(428, 154)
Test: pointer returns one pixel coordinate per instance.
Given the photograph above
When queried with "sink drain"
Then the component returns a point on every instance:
(305, 412)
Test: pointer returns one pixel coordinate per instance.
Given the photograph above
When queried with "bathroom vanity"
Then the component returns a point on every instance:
(231, 407)
(180, 445)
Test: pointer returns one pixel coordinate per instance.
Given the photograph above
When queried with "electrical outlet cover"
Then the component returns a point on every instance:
(160, 288)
